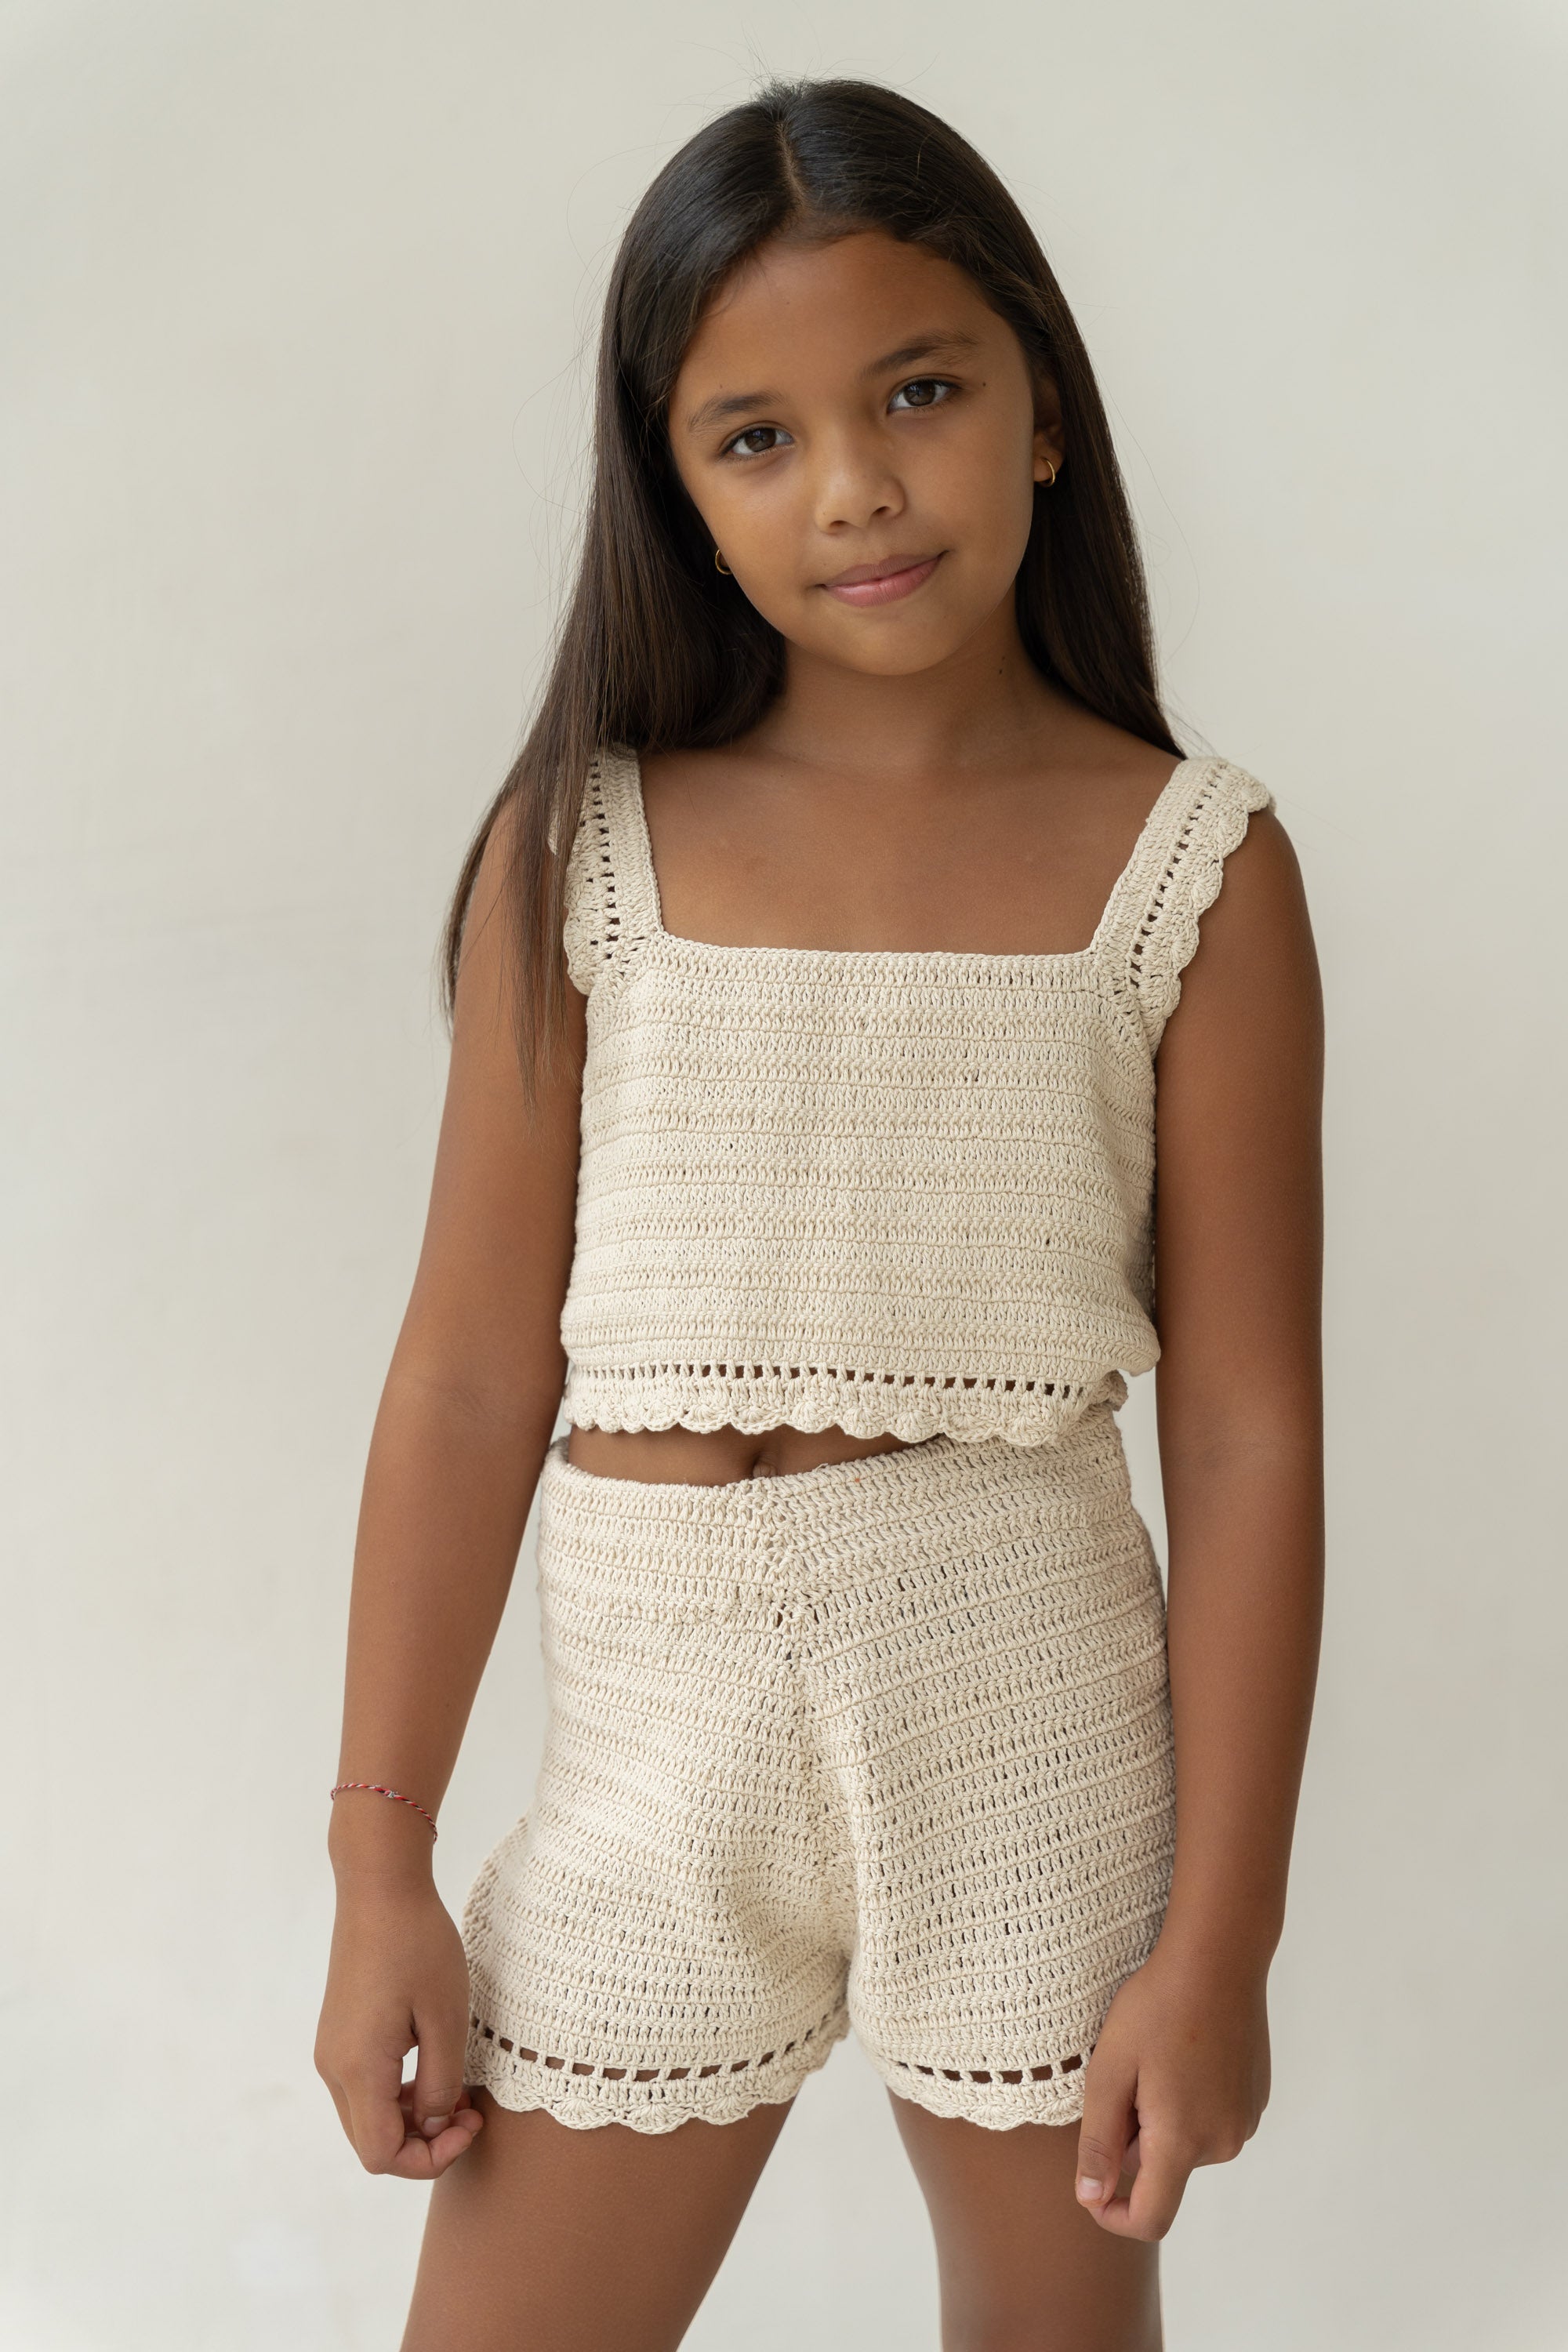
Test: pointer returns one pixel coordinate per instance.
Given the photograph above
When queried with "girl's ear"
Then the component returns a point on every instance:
(1049, 449)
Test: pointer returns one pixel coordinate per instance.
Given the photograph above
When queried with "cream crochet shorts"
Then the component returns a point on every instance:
(884, 1743)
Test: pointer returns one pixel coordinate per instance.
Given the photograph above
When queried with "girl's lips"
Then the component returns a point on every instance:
(889, 589)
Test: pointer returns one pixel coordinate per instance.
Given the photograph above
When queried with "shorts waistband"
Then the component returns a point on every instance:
(863, 1492)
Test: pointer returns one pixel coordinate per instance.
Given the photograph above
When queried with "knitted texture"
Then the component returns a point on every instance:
(895, 1191)
(884, 1743)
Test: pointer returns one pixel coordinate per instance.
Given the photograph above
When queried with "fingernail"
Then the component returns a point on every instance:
(433, 2124)
(1089, 2192)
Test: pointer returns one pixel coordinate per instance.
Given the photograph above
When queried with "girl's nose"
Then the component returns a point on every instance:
(854, 488)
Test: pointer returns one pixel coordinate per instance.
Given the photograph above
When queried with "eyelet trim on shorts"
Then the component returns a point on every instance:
(999, 2075)
(650, 2074)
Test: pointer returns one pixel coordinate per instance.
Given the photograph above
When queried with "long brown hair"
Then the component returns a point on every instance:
(657, 650)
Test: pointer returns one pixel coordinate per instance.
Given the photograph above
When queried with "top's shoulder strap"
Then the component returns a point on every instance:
(608, 873)
(1174, 875)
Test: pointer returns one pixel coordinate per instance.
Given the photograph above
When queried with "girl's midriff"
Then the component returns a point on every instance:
(716, 1457)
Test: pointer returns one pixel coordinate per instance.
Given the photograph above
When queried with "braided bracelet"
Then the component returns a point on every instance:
(387, 1793)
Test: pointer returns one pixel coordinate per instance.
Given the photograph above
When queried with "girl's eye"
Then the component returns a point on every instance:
(924, 392)
(756, 435)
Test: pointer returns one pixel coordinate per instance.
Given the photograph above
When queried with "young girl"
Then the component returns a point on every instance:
(810, 977)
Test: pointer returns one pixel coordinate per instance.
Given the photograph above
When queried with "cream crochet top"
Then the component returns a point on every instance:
(895, 1190)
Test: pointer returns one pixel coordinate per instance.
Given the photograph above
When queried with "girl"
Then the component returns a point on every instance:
(809, 979)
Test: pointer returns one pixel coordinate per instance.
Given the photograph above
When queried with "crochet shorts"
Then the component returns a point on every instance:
(884, 1743)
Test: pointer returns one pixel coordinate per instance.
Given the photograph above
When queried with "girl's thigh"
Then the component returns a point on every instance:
(543, 2239)
(1023, 2267)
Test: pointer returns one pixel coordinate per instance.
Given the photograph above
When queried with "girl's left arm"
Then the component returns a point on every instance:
(1180, 2074)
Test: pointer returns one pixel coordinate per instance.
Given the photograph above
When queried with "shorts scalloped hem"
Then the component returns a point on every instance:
(881, 1746)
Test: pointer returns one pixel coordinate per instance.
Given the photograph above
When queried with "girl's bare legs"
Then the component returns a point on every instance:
(1023, 2267)
(543, 2239)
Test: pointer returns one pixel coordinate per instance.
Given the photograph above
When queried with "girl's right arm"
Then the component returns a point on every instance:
(465, 1416)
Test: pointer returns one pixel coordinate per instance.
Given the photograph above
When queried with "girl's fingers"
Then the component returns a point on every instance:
(1108, 2125)
(335, 2091)
(459, 2132)
(459, 2137)
(424, 2159)
(1148, 2210)
(376, 2122)
(437, 2083)
(1156, 2193)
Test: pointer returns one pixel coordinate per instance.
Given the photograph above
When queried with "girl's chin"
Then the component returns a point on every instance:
(908, 660)
(895, 643)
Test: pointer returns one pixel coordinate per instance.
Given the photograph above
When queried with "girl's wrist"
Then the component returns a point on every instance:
(369, 1838)
(1219, 1941)
(375, 1872)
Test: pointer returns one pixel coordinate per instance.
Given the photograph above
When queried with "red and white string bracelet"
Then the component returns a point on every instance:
(380, 1791)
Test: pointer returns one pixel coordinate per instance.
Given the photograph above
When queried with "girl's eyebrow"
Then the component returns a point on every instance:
(924, 347)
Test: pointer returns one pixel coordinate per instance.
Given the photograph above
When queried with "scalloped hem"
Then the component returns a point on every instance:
(585, 2103)
(1157, 968)
(1017, 1411)
(996, 2107)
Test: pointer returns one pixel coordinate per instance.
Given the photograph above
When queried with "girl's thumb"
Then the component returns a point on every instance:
(1102, 2139)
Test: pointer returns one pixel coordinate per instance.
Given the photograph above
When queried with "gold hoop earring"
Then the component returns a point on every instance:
(720, 565)
(1051, 477)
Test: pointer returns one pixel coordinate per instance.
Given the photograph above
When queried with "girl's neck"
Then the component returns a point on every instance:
(986, 706)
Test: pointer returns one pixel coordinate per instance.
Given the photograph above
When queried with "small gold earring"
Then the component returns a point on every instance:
(721, 565)
(1051, 477)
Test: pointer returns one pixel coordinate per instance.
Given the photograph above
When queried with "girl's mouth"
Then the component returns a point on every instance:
(877, 583)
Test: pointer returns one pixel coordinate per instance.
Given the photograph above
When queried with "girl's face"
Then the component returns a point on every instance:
(861, 435)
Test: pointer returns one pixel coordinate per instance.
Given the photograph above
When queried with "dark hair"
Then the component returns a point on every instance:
(657, 649)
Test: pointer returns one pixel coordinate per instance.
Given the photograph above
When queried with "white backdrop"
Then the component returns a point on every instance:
(297, 301)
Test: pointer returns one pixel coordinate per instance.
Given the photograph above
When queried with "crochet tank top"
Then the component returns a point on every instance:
(901, 1191)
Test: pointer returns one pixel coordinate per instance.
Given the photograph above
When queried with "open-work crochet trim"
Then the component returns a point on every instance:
(652, 2098)
(661, 2107)
(1188, 883)
(659, 2074)
(998, 2098)
(757, 1397)
(997, 2074)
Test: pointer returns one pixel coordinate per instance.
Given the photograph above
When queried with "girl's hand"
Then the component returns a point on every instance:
(398, 1976)
(1179, 2077)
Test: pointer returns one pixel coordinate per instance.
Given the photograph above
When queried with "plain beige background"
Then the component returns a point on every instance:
(296, 306)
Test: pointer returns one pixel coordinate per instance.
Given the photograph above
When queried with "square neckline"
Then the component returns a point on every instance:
(949, 958)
